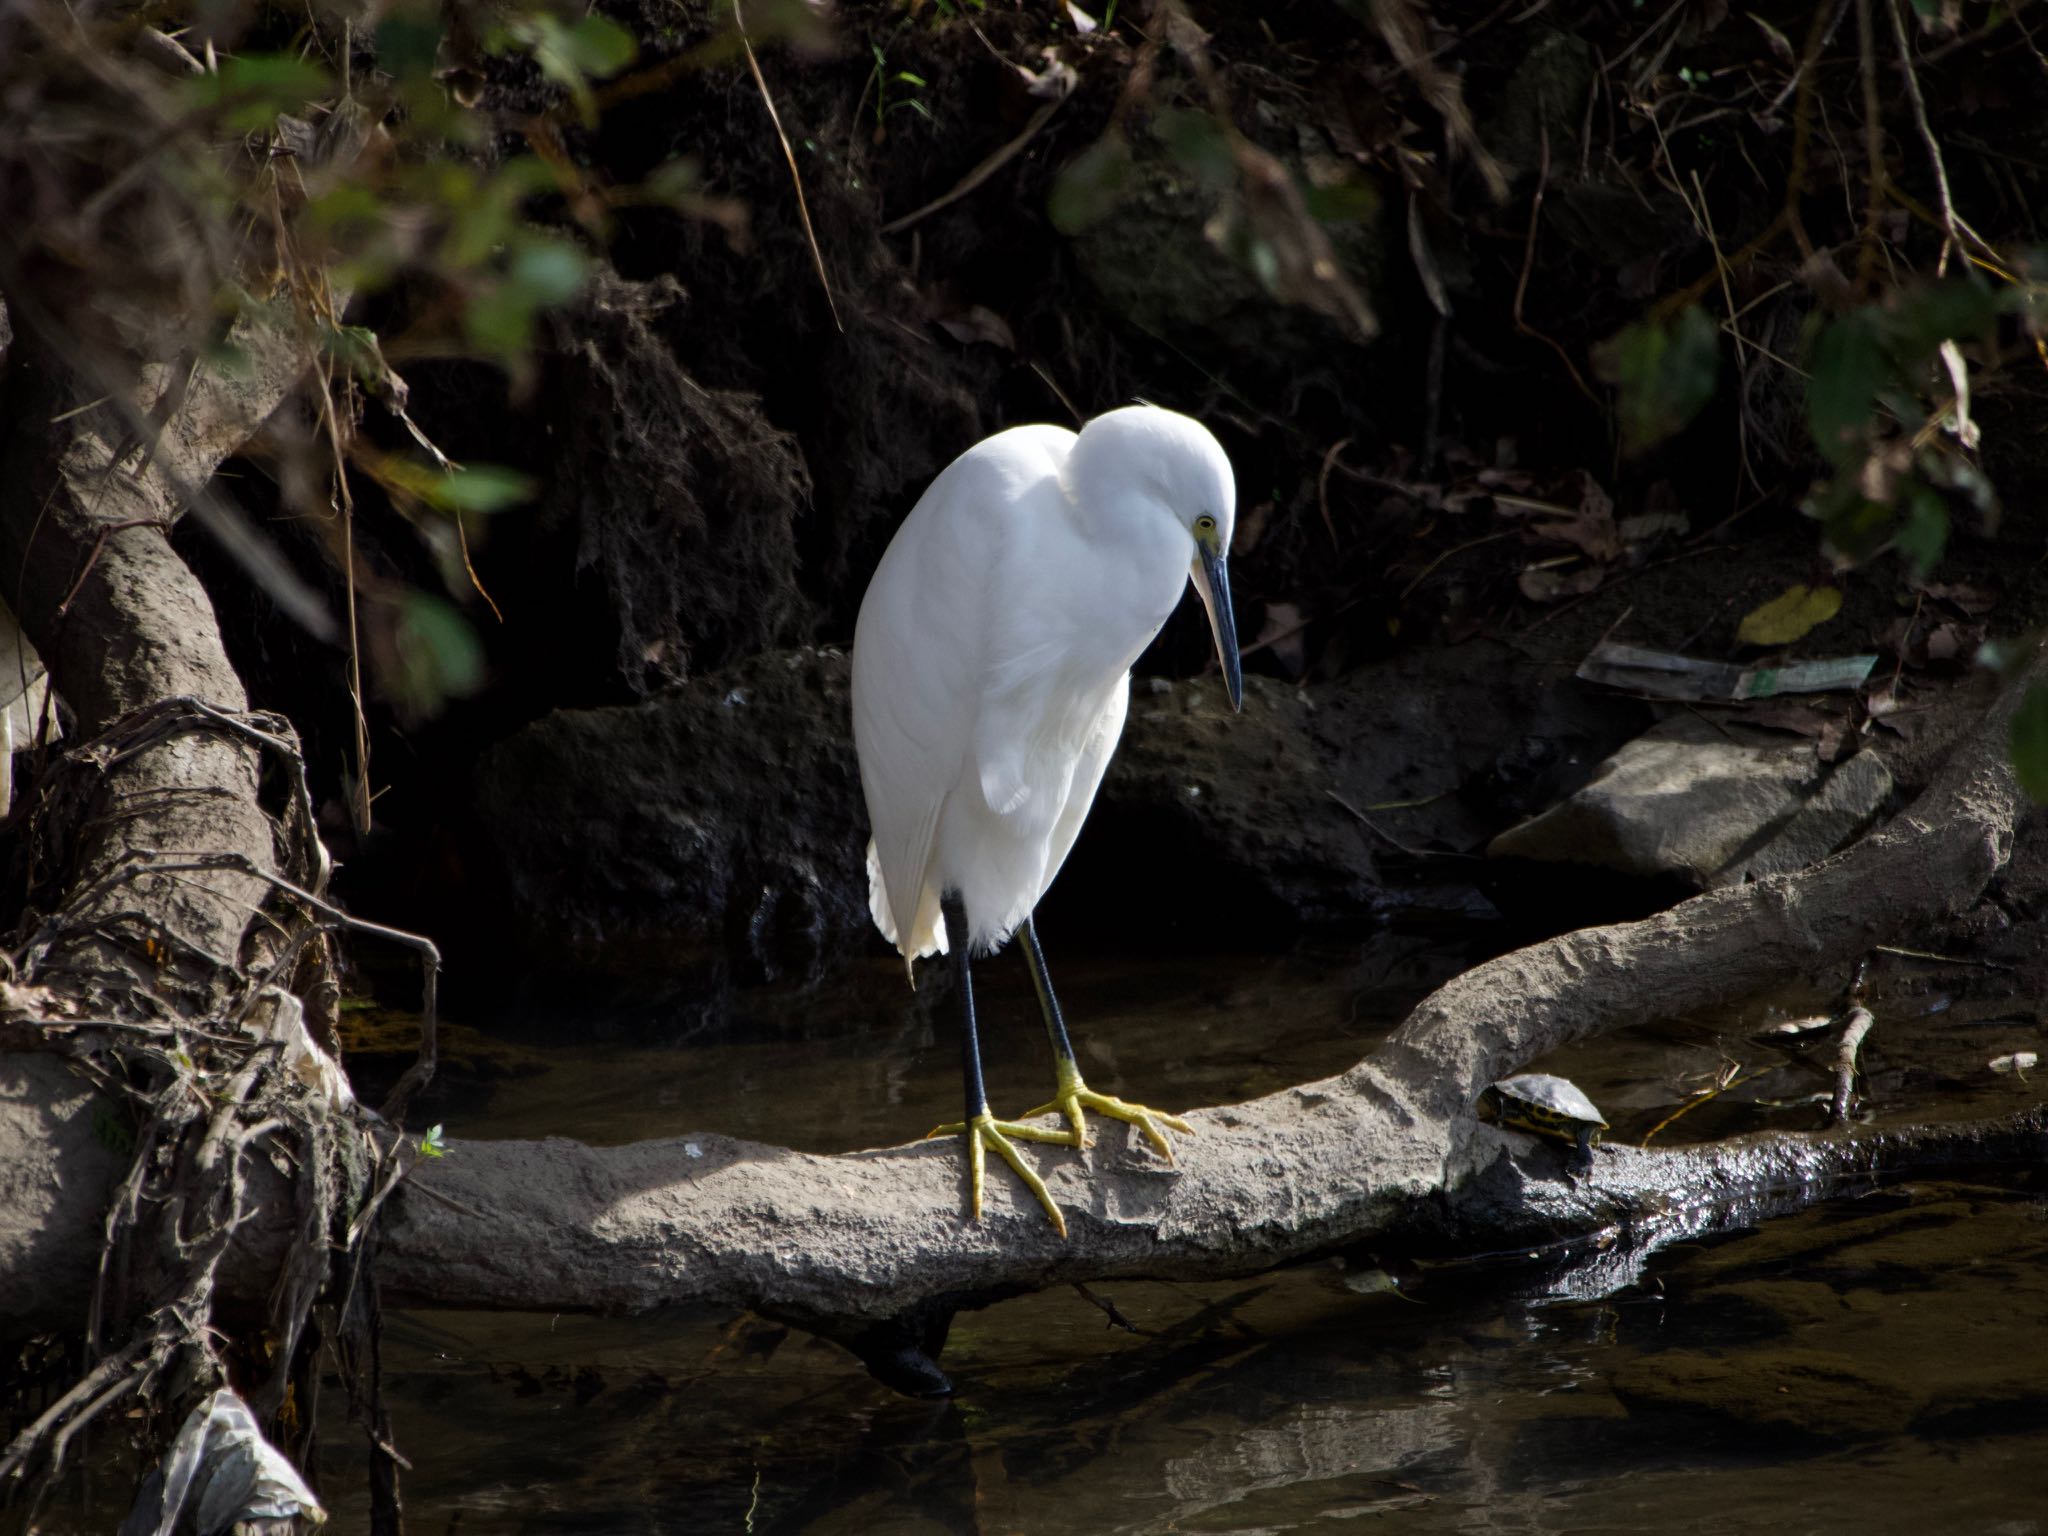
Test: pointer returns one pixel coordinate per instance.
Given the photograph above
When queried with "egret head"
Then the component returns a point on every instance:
(1171, 464)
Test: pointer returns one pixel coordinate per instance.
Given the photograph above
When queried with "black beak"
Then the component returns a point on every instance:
(1215, 589)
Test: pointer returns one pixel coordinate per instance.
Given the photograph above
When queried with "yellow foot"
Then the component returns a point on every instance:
(1077, 1096)
(985, 1131)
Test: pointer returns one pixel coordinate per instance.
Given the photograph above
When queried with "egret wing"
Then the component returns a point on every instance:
(920, 659)
(1096, 752)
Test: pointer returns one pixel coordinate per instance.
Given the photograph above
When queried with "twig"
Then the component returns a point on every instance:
(1735, 329)
(1456, 549)
(87, 1388)
(981, 172)
(150, 861)
(1045, 377)
(1857, 1024)
(359, 796)
(1522, 282)
(1928, 954)
(462, 537)
(1109, 1309)
(1698, 1099)
(803, 207)
(1388, 837)
(1827, 16)
(1400, 25)
(1951, 238)
(1323, 489)
(1873, 149)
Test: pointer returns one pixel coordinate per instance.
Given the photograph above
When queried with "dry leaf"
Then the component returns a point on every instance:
(1790, 615)
(1549, 584)
(977, 322)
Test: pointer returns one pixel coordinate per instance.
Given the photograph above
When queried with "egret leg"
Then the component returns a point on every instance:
(981, 1129)
(1070, 1094)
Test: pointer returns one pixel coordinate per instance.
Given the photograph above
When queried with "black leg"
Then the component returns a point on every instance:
(981, 1129)
(1071, 1095)
(1041, 980)
(954, 910)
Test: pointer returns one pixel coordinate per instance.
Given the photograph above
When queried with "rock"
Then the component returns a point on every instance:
(1453, 743)
(715, 822)
(1209, 820)
(718, 828)
(1708, 804)
(1843, 806)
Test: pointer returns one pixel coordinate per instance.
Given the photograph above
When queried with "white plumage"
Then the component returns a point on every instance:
(991, 661)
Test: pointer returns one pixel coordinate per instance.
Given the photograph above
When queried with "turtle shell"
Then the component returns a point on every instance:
(1537, 1101)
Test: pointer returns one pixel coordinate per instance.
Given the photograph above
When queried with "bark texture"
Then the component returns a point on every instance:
(123, 625)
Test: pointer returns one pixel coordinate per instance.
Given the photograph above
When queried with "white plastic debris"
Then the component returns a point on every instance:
(24, 697)
(1664, 675)
(221, 1471)
(278, 1015)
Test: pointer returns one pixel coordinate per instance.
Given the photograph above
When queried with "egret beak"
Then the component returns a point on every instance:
(1212, 580)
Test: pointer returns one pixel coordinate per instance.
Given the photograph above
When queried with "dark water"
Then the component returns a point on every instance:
(1876, 1364)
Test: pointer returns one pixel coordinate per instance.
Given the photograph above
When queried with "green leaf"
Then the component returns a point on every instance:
(550, 271)
(1089, 186)
(1924, 534)
(1853, 526)
(252, 89)
(2030, 743)
(499, 321)
(347, 209)
(676, 181)
(1920, 319)
(468, 488)
(1663, 374)
(1198, 144)
(1349, 200)
(1849, 367)
(601, 47)
(355, 348)
(408, 41)
(439, 656)
(481, 488)
(1790, 615)
(573, 55)
(433, 1144)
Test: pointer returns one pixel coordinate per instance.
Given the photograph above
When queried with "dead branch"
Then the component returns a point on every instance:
(1855, 1025)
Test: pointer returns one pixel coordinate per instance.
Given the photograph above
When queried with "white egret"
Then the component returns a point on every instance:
(991, 672)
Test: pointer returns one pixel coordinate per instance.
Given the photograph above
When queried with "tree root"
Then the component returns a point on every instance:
(185, 919)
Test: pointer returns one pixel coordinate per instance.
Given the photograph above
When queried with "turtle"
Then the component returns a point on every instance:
(1548, 1106)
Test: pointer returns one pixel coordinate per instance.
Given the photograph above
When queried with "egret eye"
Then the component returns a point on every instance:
(1205, 524)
